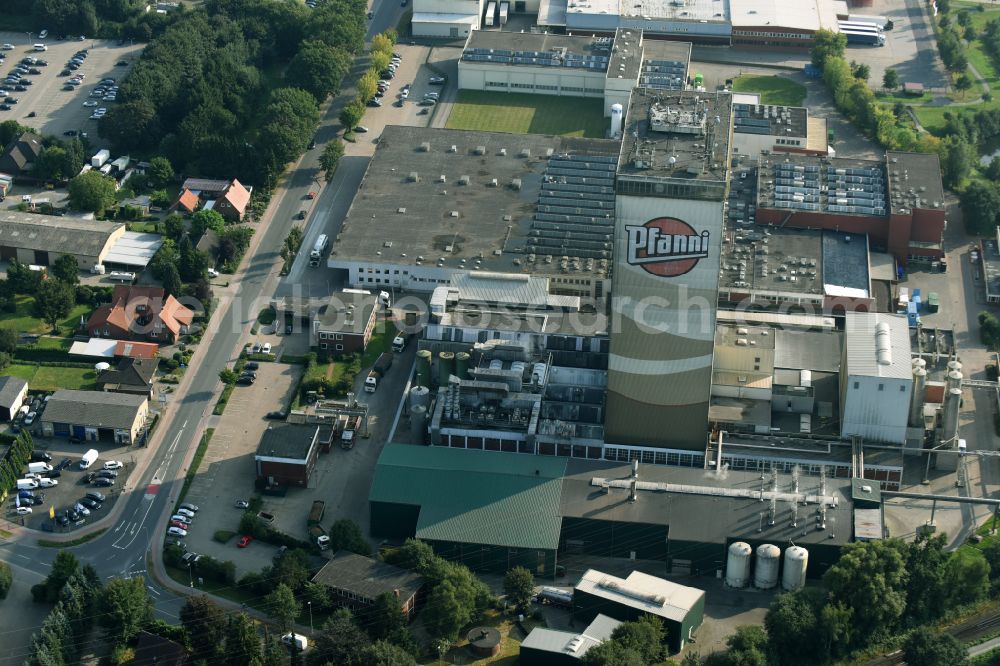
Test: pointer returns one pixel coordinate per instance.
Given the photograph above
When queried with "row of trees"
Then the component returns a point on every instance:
(379, 57)
(92, 18)
(198, 95)
(950, 42)
(17, 457)
(875, 590)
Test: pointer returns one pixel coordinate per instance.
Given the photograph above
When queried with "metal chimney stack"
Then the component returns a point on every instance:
(633, 493)
(917, 399)
(952, 404)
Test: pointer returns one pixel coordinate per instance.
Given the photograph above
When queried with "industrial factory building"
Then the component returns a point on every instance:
(494, 510)
(606, 68)
(455, 201)
(777, 129)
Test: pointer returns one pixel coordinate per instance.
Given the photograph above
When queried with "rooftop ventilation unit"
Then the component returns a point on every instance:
(503, 152)
(425, 147)
(480, 150)
(414, 177)
(463, 180)
(525, 152)
(453, 149)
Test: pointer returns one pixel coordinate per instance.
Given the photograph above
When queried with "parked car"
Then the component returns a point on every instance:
(436, 80)
(180, 518)
(62, 519)
(374, 102)
(242, 543)
(185, 512)
(96, 496)
(275, 416)
(251, 365)
(113, 464)
(190, 558)
(242, 504)
(107, 474)
(64, 463)
(81, 509)
(40, 456)
(177, 532)
(177, 523)
(25, 510)
(90, 504)
(245, 380)
(189, 507)
(104, 482)
(361, 129)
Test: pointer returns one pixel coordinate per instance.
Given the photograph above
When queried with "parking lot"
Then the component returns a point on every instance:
(72, 485)
(57, 110)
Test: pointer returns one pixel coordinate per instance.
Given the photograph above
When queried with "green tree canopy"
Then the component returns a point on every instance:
(160, 172)
(330, 158)
(66, 269)
(92, 191)
(53, 301)
(519, 586)
(282, 606)
(826, 45)
(125, 608)
(206, 626)
(890, 79)
(980, 207)
(870, 570)
(924, 648)
(318, 69)
(206, 219)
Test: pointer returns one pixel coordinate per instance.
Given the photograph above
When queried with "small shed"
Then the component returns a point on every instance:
(912, 88)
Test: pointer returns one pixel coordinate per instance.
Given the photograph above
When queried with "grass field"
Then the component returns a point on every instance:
(50, 378)
(773, 89)
(23, 321)
(528, 114)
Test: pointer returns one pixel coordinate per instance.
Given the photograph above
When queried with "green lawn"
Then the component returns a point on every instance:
(53, 343)
(773, 89)
(23, 321)
(50, 378)
(528, 114)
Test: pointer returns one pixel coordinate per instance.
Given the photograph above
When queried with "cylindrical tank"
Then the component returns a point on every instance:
(519, 366)
(424, 367)
(954, 366)
(949, 426)
(796, 563)
(496, 364)
(919, 363)
(462, 365)
(420, 395)
(617, 114)
(765, 574)
(953, 380)
(446, 367)
(538, 373)
(917, 399)
(738, 564)
(418, 424)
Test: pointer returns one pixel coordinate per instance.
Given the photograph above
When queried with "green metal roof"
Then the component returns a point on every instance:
(484, 497)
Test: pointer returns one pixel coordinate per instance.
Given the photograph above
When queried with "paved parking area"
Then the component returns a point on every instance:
(72, 485)
(227, 471)
(57, 111)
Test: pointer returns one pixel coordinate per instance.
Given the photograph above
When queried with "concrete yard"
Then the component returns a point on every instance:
(57, 110)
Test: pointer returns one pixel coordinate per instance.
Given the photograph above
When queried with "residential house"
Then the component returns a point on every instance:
(233, 202)
(132, 375)
(355, 582)
(187, 202)
(229, 198)
(140, 313)
(20, 155)
(13, 390)
(342, 324)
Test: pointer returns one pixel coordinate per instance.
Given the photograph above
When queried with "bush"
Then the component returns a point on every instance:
(223, 536)
(6, 579)
(40, 593)
(172, 555)
(257, 583)
(221, 572)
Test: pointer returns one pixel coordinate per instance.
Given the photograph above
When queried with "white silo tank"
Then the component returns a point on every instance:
(519, 366)
(617, 118)
(738, 564)
(420, 395)
(953, 380)
(796, 563)
(765, 575)
(418, 424)
(919, 363)
(496, 364)
(954, 366)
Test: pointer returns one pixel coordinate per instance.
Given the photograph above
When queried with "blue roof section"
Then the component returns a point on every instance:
(845, 262)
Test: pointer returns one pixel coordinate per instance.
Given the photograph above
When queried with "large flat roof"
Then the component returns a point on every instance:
(644, 592)
(915, 180)
(54, 234)
(538, 50)
(286, 440)
(498, 202)
(346, 312)
(665, 63)
(820, 184)
(805, 15)
(783, 121)
(681, 135)
(878, 345)
(690, 10)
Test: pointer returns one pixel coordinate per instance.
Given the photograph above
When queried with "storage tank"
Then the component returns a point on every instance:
(424, 367)
(919, 363)
(418, 424)
(738, 564)
(446, 367)
(796, 563)
(917, 399)
(496, 364)
(462, 365)
(420, 395)
(765, 575)
(953, 380)
(617, 115)
(954, 366)
(952, 404)
(538, 372)
(519, 366)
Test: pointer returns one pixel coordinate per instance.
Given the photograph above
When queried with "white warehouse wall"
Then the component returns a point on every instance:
(876, 408)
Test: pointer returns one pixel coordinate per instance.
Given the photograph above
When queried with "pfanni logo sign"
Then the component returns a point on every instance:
(666, 246)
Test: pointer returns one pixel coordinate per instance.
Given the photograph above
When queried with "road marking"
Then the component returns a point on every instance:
(153, 590)
(24, 556)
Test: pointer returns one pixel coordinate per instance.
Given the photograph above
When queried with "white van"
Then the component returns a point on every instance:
(41, 47)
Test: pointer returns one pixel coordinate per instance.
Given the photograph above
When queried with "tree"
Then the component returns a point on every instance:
(870, 570)
(318, 69)
(381, 43)
(328, 160)
(66, 269)
(890, 79)
(519, 586)
(8, 340)
(242, 645)
(351, 115)
(21, 279)
(9, 129)
(206, 219)
(206, 626)
(791, 624)
(385, 618)
(980, 208)
(384, 653)
(125, 608)
(346, 535)
(6, 579)
(967, 576)
(173, 226)
(826, 45)
(612, 653)
(748, 646)
(171, 280)
(50, 164)
(228, 376)
(92, 191)
(53, 301)
(860, 70)
(161, 171)
(292, 569)
(282, 606)
(923, 648)
(338, 642)
(367, 86)
(957, 159)
(926, 591)
(445, 613)
(191, 263)
(963, 82)
(645, 636)
(413, 554)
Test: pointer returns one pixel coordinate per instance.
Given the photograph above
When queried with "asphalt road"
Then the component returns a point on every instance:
(123, 549)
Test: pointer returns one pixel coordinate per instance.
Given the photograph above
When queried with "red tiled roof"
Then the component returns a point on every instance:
(125, 299)
(237, 196)
(188, 201)
(136, 349)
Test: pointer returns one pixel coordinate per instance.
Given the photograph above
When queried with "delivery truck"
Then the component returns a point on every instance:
(400, 341)
(316, 513)
(319, 247)
(319, 537)
(88, 459)
(378, 371)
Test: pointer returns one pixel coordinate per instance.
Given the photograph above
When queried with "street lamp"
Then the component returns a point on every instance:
(190, 575)
(310, 604)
